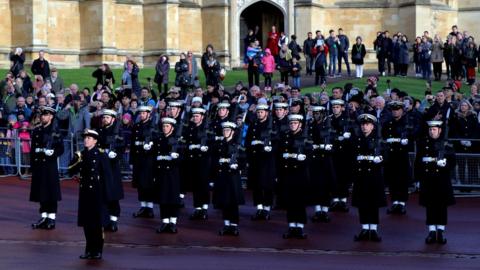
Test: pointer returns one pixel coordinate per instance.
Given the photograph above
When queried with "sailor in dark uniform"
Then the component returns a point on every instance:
(111, 143)
(279, 127)
(95, 185)
(216, 135)
(167, 176)
(174, 110)
(322, 172)
(141, 158)
(294, 177)
(368, 193)
(47, 146)
(196, 164)
(261, 162)
(434, 161)
(342, 156)
(227, 191)
(397, 164)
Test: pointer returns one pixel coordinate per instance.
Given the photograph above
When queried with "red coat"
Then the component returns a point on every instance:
(272, 42)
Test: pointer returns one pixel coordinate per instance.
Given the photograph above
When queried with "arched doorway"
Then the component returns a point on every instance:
(261, 16)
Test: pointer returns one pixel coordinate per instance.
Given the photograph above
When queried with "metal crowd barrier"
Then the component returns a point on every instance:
(15, 159)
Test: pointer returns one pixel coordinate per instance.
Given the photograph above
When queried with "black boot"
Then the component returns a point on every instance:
(362, 236)
(85, 256)
(144, 212)
(431, 237)
(164, 228)
(402, 210)
(441, 238)
(300, 234)
(112, 226)
(291, 232)
(374, 236)
(173, 228)
(40, 224)
(96, 256)
(50, 224)
(321, 216)
(342, 207)
(224, 230)
(393, 209)
(234, 230)
(199, 214)
(335, 206)
(259, 215)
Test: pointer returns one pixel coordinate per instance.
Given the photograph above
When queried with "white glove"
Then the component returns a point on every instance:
(377, 159)
(285, 155)
(204, 148)
(267, 148)
(466, 143)
(112, 154)
(174, 155)
(328, 147)
(347, 135)
(49, 152)
(442, 163)
(404, 141)
(147, 147)
(301, 157)
(234, 166)
(341, 138)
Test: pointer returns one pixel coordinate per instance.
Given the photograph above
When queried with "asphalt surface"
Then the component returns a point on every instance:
(259, 246)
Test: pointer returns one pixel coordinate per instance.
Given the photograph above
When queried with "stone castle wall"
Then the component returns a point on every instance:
(88, 32)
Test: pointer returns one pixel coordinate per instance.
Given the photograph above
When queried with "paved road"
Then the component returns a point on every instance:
(259, 246)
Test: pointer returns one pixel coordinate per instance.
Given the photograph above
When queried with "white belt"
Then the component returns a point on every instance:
(194, 146)
(370, 158)
(429, 159)
(224, 160)
(321, 146)
(257, 142)
(164, 158)
(290, 155)
(218, 138)
(393, 140)
(139, 143)
(40, 150)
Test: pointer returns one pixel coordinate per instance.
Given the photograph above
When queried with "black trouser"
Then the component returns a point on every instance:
(253, 72)
(168, 210)
(345, 57)
(114, 208)
(262, 196)
(145, 194)
(201, 197)
(389, 65)
(368, 215)
(165, 88)
(396, 69)
(437, 70)
(403, 69)
(320, 75)
(48, 207)
(381, 64)
(94, 239)
(296, 214)
(437, 215)
(449, 69)
(284, 77)
(268, 79)
(231, 213)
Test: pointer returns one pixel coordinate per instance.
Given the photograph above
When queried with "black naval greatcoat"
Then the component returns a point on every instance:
(227, 190)
(368, 186)
(196, 164)
(215, 137)
(397, 169)
(96, 180)
(322, 173)
(261, 164)
(141, 159)
(342, 155)
(293, 173)
(109, 140)
(167, 170)
(45, 186)
(435, 182)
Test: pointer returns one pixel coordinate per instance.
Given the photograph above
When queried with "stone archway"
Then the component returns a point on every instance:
(242, 10)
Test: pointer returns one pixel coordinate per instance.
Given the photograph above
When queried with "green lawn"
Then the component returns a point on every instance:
(413, 86)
